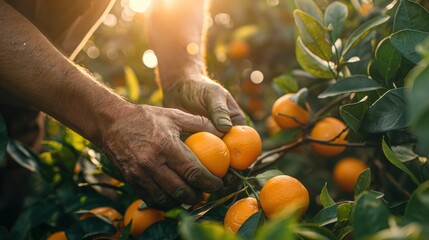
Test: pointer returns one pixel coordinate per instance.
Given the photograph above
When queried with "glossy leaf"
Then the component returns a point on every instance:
(405, 42)
(165, 229)
(249, 227)
(325, 216)
(23, 156)
(313, 34)
(89, 227)
(311, 8)
(312, 63)
(286, 83)
(355, 83)
(388, 59)
(387, 113)
(326, 199)
(411, 15)
(390, 155)
(335, 15)
(370, 216)
(362, 31)
(363, 183)
(418, 206)
(125, 234)
(3, 138)
(353, 113)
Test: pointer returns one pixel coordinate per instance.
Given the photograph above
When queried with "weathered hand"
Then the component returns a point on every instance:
(144, 144)
(202, 96)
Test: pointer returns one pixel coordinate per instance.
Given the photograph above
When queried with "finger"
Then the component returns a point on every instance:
(153, 196)
(193, 172)
(235, 112)
(218, 109)
(189, 123)
(173, 185)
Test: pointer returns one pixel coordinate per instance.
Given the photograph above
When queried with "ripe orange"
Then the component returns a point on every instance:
(289, 114)
(244, 144)
(142, 219)
(239, 212)
(60, 235)
(108, 212)
(326, 130)
(346, 173)
(283, 194)
(211, 151)
(272, 126)
(238, 49)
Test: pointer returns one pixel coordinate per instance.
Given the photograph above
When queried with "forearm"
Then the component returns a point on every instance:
(35, 71)
(175, 28)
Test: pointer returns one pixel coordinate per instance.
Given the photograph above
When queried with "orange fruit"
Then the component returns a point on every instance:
(60, 235)
(238, 49)
(108, 212)
(211, 151)
(239, 212)
(326, 130)
(283, 194)
(142, 219)
(289, 114)
(272, 126)
(346, 173)
(244, 144)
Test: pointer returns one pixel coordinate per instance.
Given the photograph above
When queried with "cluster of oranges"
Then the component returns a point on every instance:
(141, 220)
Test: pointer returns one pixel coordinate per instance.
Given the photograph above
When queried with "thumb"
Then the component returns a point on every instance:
(189, 123)
(218, 111)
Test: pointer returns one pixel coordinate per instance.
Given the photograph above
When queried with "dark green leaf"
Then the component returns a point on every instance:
(23, 156)
(405, 152)
(418, 206)
(355, 83)
(67, 194)
(3, 233)
(313, 232)
(388, 59)
(411, 15)
(125, 234)
(278, 229)
(30, 218)
(249, 227)
(310, 7)
(405, 42)
(312, 63)
(390, 155)
(370, 216)
(3, 138)
(266, 175)
(362, 31)
(165, 229)
(363, 183)
(325, 216)
(286, 83)
(313, 34)
(387, 113)
(335, 15)
(88, 227)
(326, 199)
(353, 113)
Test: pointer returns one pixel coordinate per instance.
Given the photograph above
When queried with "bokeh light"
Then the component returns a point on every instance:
(139, 6)
(110, 20)
(193, 48)
(224, 19)
(272, 3)
(257, 77)
(93, 52)
(149, 59)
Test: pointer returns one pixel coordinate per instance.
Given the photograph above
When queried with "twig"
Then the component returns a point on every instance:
(329, 106)
(291, 117)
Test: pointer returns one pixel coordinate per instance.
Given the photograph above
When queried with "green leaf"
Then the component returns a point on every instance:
(67, 194)
(343, 213)
(363, 183)
(263, 177)
(3, 139)
(353, 113)
(390, 155)
(3, 232)
(411, 231)
(387, 113)
(355, 83)
(89, 227)
(312, 63)
(405, 42)
(125, 234)
(311, 8)
(278, 229)
(314, 232)
(388, 59)
(418, 206)
(326, 199)
(286, 83)
(362, 31)
(23, 156)
(335, 15)
(133, 86)
(313, 34)
(326, 216)
(166, 229)
(370, 216)
(30, 218)
(190, 230)
(249, 227)
(411, 15)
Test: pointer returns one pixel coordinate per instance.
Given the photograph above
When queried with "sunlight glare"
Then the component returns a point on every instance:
(149, 59)
(257, 77)
(139, 6)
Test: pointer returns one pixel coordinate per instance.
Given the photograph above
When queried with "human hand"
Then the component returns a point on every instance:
(144, 144)
(202, 96)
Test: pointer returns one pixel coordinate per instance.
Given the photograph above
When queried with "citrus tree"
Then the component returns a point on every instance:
(341, 155)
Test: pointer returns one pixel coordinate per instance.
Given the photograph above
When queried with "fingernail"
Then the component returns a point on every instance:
(223, 121)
